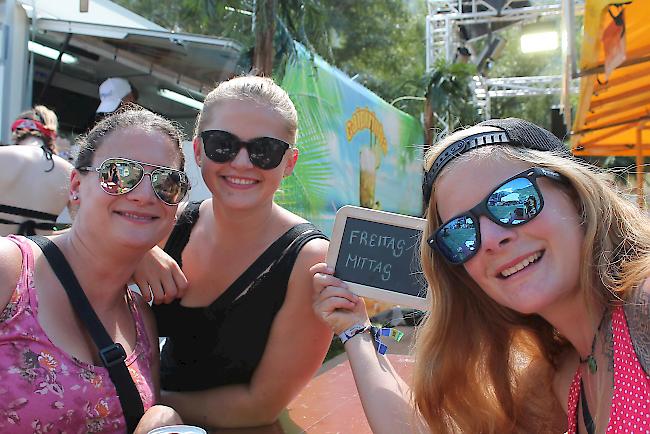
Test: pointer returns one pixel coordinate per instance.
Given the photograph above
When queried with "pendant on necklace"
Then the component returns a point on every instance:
(591, 363)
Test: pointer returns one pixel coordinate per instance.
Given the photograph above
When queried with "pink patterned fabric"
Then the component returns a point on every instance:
(43, 389)
(630, 410)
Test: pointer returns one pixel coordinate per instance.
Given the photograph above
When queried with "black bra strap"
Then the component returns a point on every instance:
(29, 213)
(112, 354)
(586, 415)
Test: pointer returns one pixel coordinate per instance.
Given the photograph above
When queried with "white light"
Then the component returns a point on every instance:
(537, 42)
(241, 11)
(170, 94)
(51, 53)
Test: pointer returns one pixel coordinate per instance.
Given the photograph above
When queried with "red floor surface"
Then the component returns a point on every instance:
(328, 405)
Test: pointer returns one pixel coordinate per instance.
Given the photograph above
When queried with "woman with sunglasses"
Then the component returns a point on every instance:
(53, 377)
(542, 325)
(242, 339)
(34, 180)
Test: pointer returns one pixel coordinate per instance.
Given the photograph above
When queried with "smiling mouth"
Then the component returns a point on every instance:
(137, 217)
(240, 181)
(521, 265)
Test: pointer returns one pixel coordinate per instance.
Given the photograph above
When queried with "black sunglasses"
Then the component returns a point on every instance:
(121, 175)
(515, 202)
(264, 152)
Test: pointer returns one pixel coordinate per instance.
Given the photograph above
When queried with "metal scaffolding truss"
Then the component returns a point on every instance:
(487, 88)
(446, 18)
(524, 86)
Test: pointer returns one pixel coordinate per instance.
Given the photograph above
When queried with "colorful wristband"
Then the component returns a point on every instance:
(376, 333)
(349, 333)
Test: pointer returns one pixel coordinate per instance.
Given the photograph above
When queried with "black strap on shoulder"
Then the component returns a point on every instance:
(586, 415)
(112, 354)
(180, 235)
(270, 255)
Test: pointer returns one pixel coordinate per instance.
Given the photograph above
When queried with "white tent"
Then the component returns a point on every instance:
(106, 41)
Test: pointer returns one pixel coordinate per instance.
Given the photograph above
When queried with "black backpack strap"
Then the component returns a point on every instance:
(266, 259)
(112, 354)
(180, 235)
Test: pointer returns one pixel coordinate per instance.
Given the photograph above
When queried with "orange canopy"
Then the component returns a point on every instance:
(613, 113)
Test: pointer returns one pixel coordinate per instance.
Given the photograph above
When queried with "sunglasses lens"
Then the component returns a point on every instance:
(266, 152)
(119, 177)
(170, 185)
(219, 146)
(457, 239)
(515, 202)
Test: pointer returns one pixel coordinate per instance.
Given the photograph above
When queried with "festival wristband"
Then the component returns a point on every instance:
(376, 333)
(349, 333)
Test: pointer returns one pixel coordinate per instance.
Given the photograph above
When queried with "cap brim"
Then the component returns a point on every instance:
(108, 105)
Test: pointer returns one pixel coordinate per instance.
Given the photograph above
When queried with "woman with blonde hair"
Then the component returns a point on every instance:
(542, 325)
(242, 339)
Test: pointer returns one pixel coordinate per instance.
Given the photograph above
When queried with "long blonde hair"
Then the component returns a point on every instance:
(484, 368)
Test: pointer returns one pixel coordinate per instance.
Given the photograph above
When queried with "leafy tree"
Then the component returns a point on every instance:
(449, 98)
(381, 42)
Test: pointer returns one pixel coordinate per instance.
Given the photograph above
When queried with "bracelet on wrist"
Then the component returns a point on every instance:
(352, 331)
(375, 332)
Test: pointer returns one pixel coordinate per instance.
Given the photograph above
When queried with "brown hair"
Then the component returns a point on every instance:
(131, 116)
(481, 367)
(261, 90)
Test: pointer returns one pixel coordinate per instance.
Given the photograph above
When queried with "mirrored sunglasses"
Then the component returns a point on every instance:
(120, 175)
(264, 152)
(513, 203)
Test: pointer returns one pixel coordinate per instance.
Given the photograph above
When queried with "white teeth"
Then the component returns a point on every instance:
(241, 181)
(520, 266)
(136, 217)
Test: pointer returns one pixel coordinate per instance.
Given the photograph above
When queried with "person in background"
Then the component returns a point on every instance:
(34, 181)
(543, 327)
(242, 339)
(114, 92)
(53, 379)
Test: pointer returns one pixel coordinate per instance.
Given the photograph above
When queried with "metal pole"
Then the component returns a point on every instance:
(50, 77)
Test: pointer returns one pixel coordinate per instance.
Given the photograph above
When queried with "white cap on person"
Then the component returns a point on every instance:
(111, 92)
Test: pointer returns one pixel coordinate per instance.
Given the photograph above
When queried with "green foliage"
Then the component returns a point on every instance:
(381, 42)
(449, 93)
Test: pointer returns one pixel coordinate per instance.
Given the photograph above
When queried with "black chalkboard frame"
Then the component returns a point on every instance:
(355, 212)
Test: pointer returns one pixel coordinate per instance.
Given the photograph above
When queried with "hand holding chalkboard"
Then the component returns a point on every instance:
(377, 254)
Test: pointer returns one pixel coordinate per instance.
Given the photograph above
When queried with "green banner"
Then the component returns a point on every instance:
(355, 148)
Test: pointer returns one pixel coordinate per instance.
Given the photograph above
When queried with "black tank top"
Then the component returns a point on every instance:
(223, 343)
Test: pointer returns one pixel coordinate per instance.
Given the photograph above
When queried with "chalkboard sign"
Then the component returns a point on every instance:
(377, 254)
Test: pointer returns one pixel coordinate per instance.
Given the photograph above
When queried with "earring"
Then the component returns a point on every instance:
(75, 197)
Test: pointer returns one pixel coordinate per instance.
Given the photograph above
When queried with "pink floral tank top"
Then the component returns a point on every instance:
(43, 389)
(630, 410)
